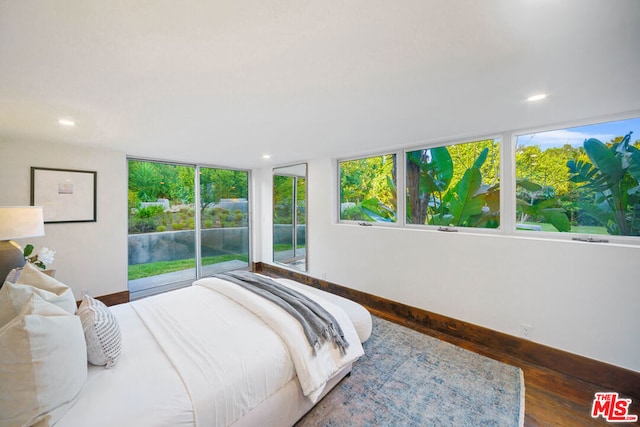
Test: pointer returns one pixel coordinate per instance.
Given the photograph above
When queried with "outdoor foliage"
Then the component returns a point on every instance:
(368, 189)
(613, 174)
(153, 185)
(593, 187)
(538, 203)
(454, 185)
(283, 199)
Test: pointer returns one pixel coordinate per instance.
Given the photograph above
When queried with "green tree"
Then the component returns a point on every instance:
(144, 180)
(613, 174)
(282, 199)
(464, 156)
(447, 185)
(369, 183)
(216, 184)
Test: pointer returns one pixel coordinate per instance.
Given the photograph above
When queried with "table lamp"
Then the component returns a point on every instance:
(17, 222)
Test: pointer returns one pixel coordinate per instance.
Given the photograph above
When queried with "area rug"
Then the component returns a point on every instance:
(410, 379)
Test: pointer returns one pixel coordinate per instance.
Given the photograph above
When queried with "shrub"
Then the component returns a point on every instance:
(354, 213)
(149, 211)
(142, 225)
(162, 228)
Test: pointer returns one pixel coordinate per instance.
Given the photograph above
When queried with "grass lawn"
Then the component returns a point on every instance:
(581, 229)
(279, 247)
(140, 271)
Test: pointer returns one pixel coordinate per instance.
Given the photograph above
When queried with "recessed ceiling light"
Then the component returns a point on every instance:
(66, 122)
(537, 97)
(266, 156)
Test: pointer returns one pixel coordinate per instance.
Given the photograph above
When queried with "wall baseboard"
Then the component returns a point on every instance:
(610, 377)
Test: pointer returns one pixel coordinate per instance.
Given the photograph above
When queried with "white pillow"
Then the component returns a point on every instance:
(33, 276)
(14, 296)
(43, 364)
(101, 332)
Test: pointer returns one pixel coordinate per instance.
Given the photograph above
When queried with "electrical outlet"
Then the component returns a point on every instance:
(526, 330)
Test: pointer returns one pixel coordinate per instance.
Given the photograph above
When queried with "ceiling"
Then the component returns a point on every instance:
(224, 82)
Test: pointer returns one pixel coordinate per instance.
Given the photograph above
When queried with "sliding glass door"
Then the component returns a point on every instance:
(171, 242)
(224, 220)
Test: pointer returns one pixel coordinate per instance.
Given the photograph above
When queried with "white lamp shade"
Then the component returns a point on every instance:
(19, 222)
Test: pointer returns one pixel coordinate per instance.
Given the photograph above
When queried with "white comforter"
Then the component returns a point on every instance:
(313, 368)
(196, 356)
(228, 371)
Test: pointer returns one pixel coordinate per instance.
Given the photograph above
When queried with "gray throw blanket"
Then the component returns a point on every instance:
(318, 324)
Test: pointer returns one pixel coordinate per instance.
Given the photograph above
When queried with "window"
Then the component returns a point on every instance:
(224, 219)
(161, 226)
(580, 180)
(455, 185)
(171, 243)
(368, 189)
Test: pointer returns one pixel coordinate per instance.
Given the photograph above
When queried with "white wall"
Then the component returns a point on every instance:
(89, 256)
(261, 216)
(582, 298)
(579, 297)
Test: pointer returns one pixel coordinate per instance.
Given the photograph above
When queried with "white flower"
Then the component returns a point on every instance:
(46, 255)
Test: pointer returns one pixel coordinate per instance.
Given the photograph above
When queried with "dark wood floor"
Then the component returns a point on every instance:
(551, 398)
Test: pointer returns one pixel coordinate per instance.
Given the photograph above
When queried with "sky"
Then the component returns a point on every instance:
(604, 132)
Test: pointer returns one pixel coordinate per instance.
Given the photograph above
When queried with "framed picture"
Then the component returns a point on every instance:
(65, 195)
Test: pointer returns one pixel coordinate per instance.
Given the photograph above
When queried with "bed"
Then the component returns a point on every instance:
(209, 354)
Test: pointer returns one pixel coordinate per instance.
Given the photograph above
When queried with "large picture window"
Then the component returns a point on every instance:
(177, 233)
(580, 180)
(368, 189)
(455, 185)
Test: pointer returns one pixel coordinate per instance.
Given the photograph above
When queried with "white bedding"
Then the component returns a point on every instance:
(228, 359)
(313, 368)
(195, 343)
(138, 391)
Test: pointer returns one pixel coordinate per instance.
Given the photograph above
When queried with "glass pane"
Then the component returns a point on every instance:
(301, 223)
(580, 180)
(455, 185)
(283, 215)
(161, 227)
(290, 216)
(368, 189)
(224, 213)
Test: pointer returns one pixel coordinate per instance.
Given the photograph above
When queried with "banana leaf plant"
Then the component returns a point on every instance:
(542, 205)
(429, 174)
(432, 199)
(377, 211)
(613, 173)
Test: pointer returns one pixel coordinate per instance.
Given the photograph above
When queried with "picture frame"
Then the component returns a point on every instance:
(66, 195)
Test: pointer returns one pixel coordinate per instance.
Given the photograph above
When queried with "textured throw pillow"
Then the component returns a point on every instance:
(101, 332)
(43, 364)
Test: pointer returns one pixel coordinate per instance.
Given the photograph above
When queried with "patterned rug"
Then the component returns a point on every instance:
(410, 379)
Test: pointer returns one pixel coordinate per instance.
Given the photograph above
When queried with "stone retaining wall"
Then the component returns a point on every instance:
(173, 245)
